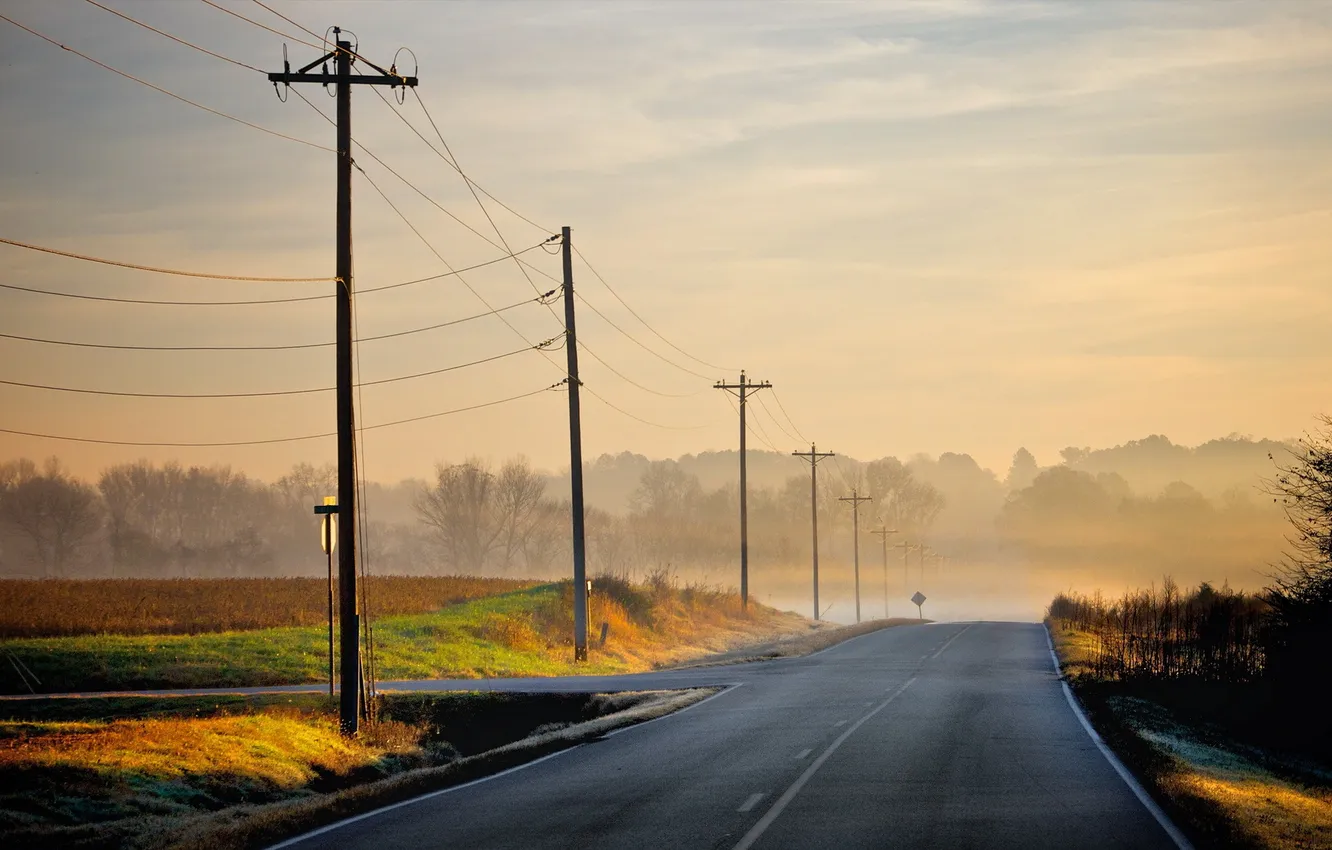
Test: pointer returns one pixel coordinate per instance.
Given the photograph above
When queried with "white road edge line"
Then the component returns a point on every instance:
(291, 842)
(751, 802)
(757, 830)
(323, 830)
(1138, 791)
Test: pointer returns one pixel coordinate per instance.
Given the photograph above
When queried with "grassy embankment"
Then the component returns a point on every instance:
(236, 772)
(520, 633)
(1202, 751)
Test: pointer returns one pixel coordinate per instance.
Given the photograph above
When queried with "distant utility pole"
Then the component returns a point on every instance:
(923, 549)
(575, 458)
(906, 548)
(814, 456)
(343, 80)
(740, 390)
(855, 501)
(883, 533)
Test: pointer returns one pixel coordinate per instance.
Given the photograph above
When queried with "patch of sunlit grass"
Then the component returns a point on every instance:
(1075, 649)
(1261, 807)
(271, 751)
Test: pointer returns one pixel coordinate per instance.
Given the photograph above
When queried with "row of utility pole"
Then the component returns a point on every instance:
(351, 702)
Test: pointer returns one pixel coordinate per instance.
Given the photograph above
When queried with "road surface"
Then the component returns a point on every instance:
(947, 736)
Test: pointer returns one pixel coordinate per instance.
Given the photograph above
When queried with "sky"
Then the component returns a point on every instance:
(944, 226)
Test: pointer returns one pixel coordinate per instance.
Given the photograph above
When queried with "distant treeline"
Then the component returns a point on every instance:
(1279, 640)
(169, 520)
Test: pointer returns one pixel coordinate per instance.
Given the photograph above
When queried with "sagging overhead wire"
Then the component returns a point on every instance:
(166, 92)
(293, 347)
(432, 249)
(629, 380)
(644, 322)
(635, 341)
(255, 301)
(157, 270)
(775, 420)
(270, 393)
(200, 445)
(409, 184)
(636, 418)
(253, 22)
(777, 398)
(182, 41)
(748, 427)
(440, 257)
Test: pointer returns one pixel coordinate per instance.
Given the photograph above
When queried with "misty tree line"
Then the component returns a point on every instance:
(142, 519)
(502, 522)
(1279, 638)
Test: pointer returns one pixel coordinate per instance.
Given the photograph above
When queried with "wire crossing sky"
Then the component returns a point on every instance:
(962, 226)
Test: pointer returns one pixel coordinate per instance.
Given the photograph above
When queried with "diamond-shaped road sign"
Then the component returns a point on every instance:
(918, 599)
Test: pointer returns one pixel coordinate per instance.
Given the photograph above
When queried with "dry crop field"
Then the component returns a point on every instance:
(68, 607)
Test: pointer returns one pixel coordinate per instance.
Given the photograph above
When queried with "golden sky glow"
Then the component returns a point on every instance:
(933, 226)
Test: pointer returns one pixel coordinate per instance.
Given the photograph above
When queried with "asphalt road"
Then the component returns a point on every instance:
(948, 736)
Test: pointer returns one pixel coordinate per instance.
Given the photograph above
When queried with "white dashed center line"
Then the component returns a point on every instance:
(802, 754)
(751, 802)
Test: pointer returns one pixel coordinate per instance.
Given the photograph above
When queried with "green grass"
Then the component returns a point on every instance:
(466, 640)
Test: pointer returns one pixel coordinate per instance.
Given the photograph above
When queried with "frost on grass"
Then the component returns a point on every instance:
(1269, 809)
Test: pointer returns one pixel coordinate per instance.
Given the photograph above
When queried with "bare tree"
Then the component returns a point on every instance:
(56, 515)
(516, 507)
(458, 509)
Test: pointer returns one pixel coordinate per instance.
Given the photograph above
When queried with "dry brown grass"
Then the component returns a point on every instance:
(60, 607)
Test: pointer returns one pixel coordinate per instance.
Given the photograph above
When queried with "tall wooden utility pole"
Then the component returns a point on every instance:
(883, 533)
(814, 456)
(575, 458)
(740, 390)
(342, 80)
(855, 500)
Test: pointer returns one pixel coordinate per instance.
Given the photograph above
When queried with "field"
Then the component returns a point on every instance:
(58, 607)
(1205, 752)
(518, 633)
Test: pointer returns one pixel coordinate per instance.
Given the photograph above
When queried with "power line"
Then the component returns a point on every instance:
(775, 420)
(478, 295)
(628, 379)
(612, 291)
(748, 427)
(221, 8)
(171, 94)
(767, 438)
(264, 347)
(174, 38)
(157, 270)
(250, 302)
(637, 418)
(270, 393)
(777, 398)
(288, 20)
(635, 341)
(278, 439)
(440, 257)
(409, 184)
(448, 157)
(453, 164)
